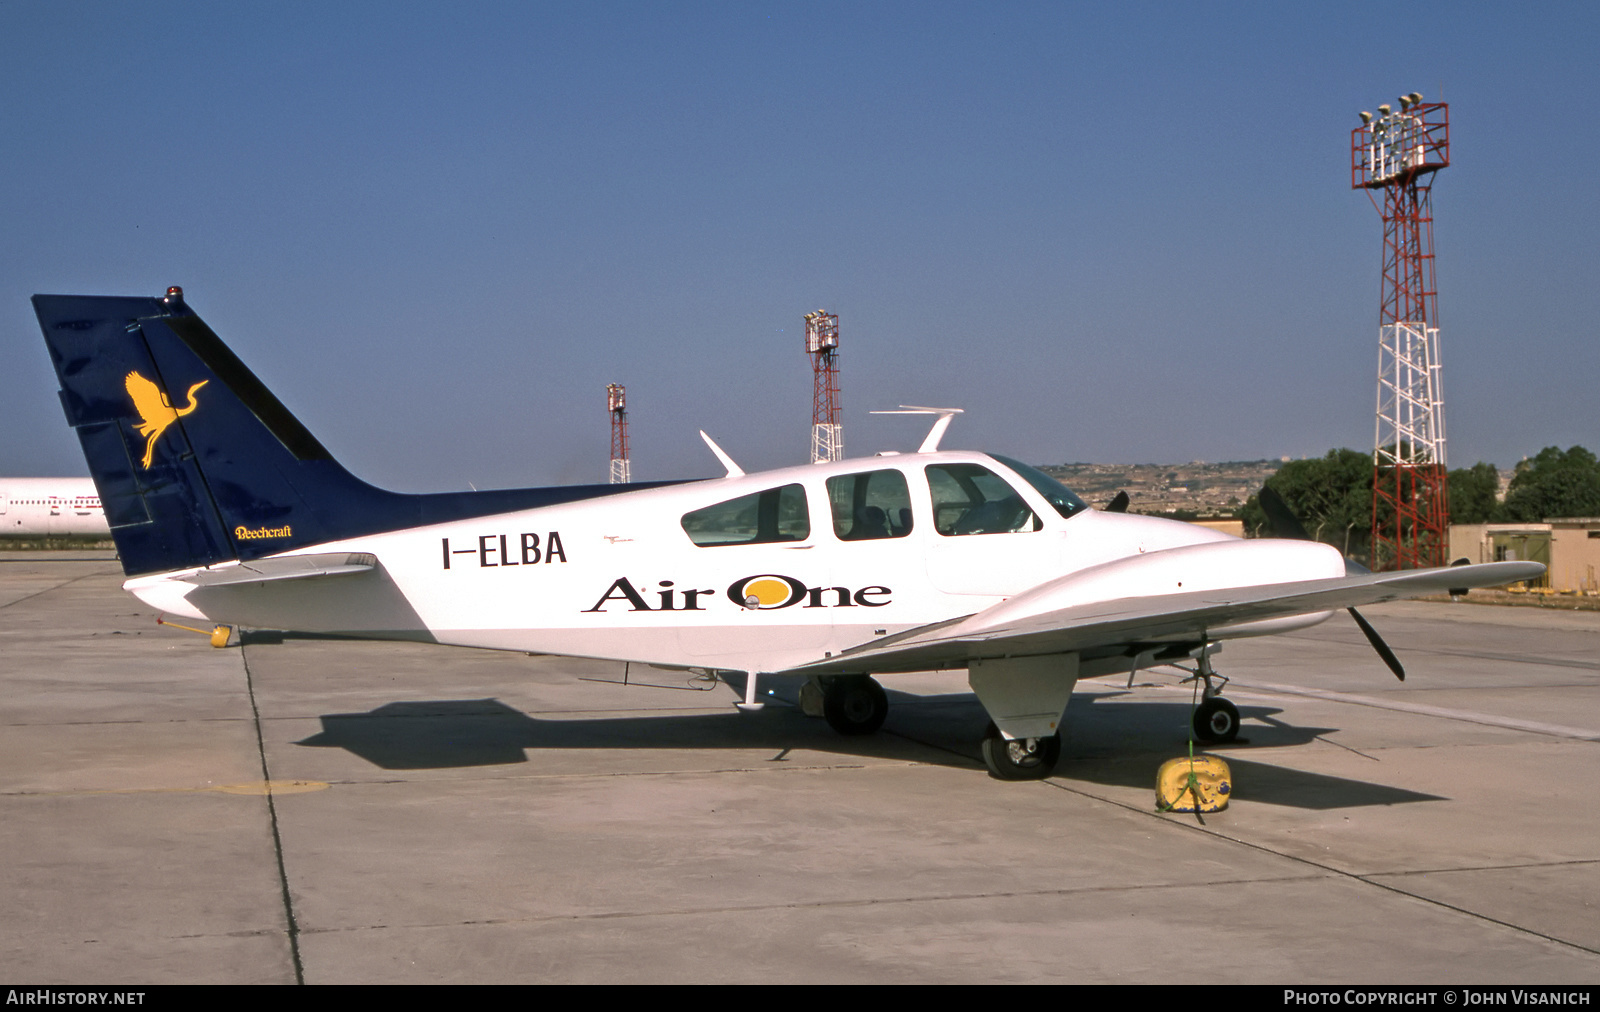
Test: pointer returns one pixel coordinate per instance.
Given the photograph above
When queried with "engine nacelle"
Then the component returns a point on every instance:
(1220, 565)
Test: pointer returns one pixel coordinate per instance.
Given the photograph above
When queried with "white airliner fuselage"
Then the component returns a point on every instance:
(50, 507)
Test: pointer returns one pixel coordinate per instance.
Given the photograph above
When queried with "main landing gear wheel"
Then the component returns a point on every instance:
(854, 704)
(1216, 721)
(1020, 758)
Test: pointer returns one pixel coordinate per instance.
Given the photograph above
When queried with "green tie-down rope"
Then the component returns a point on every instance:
(1191, 785)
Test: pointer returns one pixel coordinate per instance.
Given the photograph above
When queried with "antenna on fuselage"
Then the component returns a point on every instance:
(931, 443)
(734, 470)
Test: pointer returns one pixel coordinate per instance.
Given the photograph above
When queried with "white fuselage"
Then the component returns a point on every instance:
(619, 577)
(50, 507)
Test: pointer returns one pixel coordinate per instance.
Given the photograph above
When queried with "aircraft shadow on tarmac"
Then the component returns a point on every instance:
(1105, 743)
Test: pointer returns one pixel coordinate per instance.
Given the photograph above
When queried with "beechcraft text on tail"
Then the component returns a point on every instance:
(226, 509)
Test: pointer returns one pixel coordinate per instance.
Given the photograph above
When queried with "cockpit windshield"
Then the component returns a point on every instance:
(1056, 494)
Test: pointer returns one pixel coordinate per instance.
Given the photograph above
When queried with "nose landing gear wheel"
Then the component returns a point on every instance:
(854, 704)
(1216, 721)
(1020, 758)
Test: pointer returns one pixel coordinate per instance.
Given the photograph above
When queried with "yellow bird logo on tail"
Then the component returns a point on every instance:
(156, 412)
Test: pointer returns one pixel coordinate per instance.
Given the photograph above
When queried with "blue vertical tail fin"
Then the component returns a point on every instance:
(197, 462)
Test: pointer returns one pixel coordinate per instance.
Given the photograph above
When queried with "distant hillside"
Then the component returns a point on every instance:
(1196, 487)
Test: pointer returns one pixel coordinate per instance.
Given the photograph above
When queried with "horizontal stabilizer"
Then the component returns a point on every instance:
(291, 567)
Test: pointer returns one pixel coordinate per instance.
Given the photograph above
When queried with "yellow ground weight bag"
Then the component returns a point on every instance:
(1201, 783)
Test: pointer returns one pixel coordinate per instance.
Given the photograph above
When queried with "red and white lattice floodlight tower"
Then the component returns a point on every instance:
(617, 404)
(822, 344)
(1398, 152)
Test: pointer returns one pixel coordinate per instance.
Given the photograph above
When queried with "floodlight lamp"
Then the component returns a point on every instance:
(1366, 117)
(1385, 108)
(1416, 98)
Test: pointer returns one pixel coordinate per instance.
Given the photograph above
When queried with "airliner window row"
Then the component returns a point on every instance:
(875, 505)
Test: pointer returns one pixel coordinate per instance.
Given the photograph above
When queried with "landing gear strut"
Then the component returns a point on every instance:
(1216, 721)
(854, 704)
(1020, 758)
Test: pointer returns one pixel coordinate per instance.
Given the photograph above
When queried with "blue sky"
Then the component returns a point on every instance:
(1116, 233)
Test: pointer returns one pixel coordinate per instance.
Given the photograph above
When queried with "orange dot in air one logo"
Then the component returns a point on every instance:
(766, 591)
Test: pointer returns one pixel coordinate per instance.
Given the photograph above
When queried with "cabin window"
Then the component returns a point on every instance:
(969, 499)
(1061, 498)
(776, 515)
(870, 506)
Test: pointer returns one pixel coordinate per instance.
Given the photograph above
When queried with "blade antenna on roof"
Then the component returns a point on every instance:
(931, 443)
(734, 470)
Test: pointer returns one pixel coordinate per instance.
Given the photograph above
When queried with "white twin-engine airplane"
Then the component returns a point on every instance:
(226, 509)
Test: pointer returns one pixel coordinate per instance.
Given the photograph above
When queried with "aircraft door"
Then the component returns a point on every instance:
(873, 565)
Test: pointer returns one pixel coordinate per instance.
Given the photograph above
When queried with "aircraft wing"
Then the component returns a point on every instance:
(1148, 620)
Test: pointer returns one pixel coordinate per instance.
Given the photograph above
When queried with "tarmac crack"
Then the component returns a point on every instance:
(1479, 655)
(1426, 710)
(765, 767)
(1329, 741)
(1575, 862)
(1010, 894)
(55, 587)
(277, 837)
(99, 723)
(1365, 879)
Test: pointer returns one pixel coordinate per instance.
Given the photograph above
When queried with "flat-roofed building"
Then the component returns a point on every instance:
(1569, 546)
(1575, 554)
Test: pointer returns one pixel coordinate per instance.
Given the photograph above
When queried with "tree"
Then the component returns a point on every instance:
(1472, 494)
(1331, 496)
(1555, 484)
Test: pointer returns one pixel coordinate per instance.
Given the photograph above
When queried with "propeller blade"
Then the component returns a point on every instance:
(1280, 519)
(1118, 504)
(1379, 645)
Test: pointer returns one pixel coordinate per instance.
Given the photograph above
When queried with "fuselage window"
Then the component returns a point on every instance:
(969, 499)
(1056, 494)
(778, 514)
(870, 506)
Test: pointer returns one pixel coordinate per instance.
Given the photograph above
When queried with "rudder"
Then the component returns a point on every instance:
(158, 514)
(195, 459)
